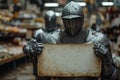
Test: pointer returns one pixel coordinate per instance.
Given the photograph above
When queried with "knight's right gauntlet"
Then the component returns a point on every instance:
(33, 48)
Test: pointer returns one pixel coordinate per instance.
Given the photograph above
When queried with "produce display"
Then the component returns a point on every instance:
(8, 53)
(14, 33)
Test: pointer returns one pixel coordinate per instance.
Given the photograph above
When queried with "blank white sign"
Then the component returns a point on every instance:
(69, 60)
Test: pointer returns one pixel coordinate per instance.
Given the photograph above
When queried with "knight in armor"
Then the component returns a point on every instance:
(50, 34)
(73, 19)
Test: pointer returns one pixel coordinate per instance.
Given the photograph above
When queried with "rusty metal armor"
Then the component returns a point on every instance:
(50, 34)
(72, 16)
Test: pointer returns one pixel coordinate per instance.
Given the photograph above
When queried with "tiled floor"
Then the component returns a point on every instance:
(22, 72)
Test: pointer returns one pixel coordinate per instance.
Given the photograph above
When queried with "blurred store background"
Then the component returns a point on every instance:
(20, 18)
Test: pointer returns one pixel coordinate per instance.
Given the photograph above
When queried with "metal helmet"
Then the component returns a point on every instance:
(72, 16)
(50, 20)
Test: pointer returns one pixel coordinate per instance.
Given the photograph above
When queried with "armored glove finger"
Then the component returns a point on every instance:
(36, 48)
(39, 47)
(26, 49)
(102, 52)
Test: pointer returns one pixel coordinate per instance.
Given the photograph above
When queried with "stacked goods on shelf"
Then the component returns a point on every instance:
(11, 29)
(41, 20)
(10, 36)
(3, 53)
(8, 53)
(31, 25)
(35, 23)
(6, 26)
(5, 15)
(15, 50)
(15, 31)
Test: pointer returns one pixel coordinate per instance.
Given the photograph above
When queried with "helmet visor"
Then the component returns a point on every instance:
(73, 26)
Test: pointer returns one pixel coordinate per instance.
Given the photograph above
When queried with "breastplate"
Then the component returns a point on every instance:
(51, 37)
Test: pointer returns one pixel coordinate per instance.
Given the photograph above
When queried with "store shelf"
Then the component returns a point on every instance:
(6, 60)
(19, 56)
(13, 53)
(12, 58)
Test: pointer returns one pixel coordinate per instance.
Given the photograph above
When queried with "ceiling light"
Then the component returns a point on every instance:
(82, 3)
(107, 3)
(51, 4)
